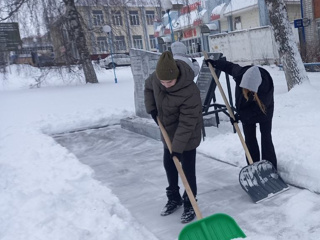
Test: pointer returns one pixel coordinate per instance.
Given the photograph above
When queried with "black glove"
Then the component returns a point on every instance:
(175, 154)
(193, 60)
(154, 114)
(212, 62)
(236, 118)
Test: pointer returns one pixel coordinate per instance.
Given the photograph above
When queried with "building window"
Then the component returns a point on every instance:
(134, 17)
(237, 23)
(97, 18)
(318, 26)
(150, 17)
(193, 45)
(116, 18)
(102, 44)
(153, 43)
(120, 44)
(137, 42)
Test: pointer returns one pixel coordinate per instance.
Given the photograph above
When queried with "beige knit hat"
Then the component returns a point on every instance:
(167, 68)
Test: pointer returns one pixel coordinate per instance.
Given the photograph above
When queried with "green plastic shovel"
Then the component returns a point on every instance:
(219, 226)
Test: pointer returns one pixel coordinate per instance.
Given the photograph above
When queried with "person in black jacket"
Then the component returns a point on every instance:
(254, 104)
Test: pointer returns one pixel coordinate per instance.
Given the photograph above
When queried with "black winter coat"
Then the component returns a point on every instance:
(249, 111)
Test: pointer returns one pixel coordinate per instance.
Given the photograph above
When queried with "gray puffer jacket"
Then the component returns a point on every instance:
(179, 108)
(179, 52)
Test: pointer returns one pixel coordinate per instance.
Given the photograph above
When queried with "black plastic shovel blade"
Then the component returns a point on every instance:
(261, 181)
(218, 226)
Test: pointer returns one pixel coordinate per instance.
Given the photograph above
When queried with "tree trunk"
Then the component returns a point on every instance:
(290, 57)
(77, 34)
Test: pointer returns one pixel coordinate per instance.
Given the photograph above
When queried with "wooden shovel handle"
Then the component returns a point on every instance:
(180, 171)
(213, 73)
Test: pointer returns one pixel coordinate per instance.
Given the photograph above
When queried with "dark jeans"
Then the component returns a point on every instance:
(267, 148)
(188, 162)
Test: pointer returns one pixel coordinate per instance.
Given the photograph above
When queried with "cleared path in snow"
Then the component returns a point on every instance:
(131, 166)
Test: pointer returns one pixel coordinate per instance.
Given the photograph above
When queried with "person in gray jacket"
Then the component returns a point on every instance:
(171, 94)
(179, 51)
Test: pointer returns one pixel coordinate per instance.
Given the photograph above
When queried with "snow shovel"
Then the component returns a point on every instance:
(260, 179)
(215, 227)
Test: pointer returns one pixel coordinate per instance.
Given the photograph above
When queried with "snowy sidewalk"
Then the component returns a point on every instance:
(131, 166)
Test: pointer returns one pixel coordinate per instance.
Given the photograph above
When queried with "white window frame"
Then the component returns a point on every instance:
(150, 17)
(116, 18)
(237, 23)
(120, 43)
(134, 18)
(102, 44)
(137, 41)
(98, 19)
(153, 42)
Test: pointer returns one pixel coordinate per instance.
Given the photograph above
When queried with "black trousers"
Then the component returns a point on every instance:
(267, 148)
(188, 163)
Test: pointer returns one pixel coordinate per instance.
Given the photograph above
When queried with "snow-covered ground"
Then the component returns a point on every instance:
(47, 193)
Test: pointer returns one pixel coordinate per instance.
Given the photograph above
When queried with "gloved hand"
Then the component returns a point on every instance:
(236, 120)
(154, 114)
(212, 62)
(193, 60)
(175, 154)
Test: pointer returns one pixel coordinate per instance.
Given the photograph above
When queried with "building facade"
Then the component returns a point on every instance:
(143, 24)
(132, 26)
(193, 24)
(189, 24)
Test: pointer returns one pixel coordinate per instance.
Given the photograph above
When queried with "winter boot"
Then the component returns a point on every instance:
(188, 213)
(174, 202)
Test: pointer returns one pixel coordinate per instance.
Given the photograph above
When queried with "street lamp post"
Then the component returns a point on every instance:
(167, 6)
(107, 29)
(170, 23)
(34, 53)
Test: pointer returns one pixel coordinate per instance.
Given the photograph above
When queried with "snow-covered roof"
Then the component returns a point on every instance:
(217, 9)
(236, 5)
(133, 3)
(178, 2)
(184, 2)
(145, 3)
(188, 19)
(166, 14)
(158, 29)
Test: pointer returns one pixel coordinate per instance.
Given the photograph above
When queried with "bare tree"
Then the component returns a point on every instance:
(9, 9)
(289, 54)
(78, 35)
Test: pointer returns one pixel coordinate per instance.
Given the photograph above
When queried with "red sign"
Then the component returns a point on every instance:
(190, 33)
(190, 8)
(197, 22)
(167, 31)
(214, 17)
